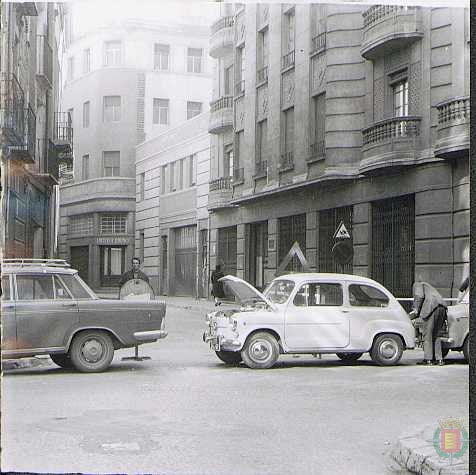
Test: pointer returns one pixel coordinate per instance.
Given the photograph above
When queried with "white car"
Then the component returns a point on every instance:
(310, 313)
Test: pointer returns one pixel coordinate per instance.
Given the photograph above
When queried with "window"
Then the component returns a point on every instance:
(161, 57)
(61, 293)
(262, 140)
(289, 130)
(194, 60)
(112, 53)
(141, 245)
(112, 109)
(113, 224)
(193, 109)
(86, 61)
(75, 287)
(70, 69)
(400, 98)
(112, 265)
(240, 70)
(319, 118)
(35, 287)
(229, 81)
(366, 296)
(70, 117)
(239, 147)
(163, 180)
(86, 114)
(141, 186)
(111, 163)
(317, 294)
(228, 160)
(172, 177)
(6, 287)
(85, 167)
(180, 174)
(82, 225)
(289, 32)
(193, 170)
(263, 48)
(160, 111)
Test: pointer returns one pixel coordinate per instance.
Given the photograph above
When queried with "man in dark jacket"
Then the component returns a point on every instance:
(217, 287)
(428, 305)
(133, 274)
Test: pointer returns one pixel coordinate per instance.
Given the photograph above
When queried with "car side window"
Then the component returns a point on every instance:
(35, 287)
(6, 295)
(319, 294)
(75, 287)
(366, 296)
(61, 293)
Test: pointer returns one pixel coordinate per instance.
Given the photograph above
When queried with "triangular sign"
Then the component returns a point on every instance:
(294, 251)
(341, 232)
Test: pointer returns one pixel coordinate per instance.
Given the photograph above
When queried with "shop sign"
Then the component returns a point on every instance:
(113, 241)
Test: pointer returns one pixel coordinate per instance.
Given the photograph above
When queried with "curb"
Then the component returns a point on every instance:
(415, 452)
(22, 363)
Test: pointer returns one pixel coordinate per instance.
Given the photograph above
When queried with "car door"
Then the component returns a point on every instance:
(316, 317)
(45, 312)
(9, 325)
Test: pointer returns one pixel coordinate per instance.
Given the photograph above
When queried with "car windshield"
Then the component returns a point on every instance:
(279, 290)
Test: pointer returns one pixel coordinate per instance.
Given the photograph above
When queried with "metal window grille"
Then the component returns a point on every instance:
(113, 224)
(393, 244)
(292, 229)
(329, 219)
(81, 225)
(226, 253)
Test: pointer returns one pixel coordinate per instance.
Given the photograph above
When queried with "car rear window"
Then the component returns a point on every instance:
(366, 296)
(35, 287)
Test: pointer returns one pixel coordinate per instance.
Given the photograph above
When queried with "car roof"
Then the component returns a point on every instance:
(305, 276)
(18, 269)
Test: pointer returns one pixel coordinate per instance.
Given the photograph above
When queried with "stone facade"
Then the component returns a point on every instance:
(367, 121)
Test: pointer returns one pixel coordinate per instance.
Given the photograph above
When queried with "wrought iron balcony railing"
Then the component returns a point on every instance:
(286, 161)
(319, 43)
(261, 169)
(225, 102)
(389, 129)
(240, 87)
(12, 109)
(317, 151)
(222, 183)
(25, 150)
(44, 59)
(262, 75)
(287, 60)
(63, 128)
(223, 22)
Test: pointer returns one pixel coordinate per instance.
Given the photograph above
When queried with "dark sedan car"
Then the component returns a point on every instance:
(48, 309)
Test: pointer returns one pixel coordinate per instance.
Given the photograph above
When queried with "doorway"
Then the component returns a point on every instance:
(112, 265)
(258, 253)
(80, 261)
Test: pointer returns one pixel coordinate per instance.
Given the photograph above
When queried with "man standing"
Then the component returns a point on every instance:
(217, 287)
(133, 274)
(428, 304)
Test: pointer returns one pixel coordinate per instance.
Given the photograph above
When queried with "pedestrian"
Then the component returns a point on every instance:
(217, 287)
(428, 304)
(134, 274)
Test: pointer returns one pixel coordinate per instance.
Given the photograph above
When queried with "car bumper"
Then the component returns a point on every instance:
(151, 335)
(217, 342)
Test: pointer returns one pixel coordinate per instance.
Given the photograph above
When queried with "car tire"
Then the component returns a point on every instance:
(63, 360)
(466, 349)
(387, 349)
(261, 351)
(92, 351)
(229, 357)
(349, 356)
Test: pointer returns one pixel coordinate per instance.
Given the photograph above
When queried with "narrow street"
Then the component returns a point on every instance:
(184, 412)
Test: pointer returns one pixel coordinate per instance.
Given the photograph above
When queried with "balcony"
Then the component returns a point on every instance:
(388, 28)
(261, 169)
(221, 115)
(287, 61)
(25, 150)
(44, 61)
(453, 128)
(317, 152)
(240, 88)
(286, 162)
(220, 192)
(45, 168)
(12, 110)
(63, 135)
(262, 76)
(222, 37)
(318, 43)
(238, 176)
(390, 142)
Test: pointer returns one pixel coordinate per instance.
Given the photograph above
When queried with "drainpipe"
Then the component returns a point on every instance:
(452, 229)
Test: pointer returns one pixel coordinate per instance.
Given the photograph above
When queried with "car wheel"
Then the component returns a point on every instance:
(62, 360)
(260, 351)
(229, 357)
(349, 356)
(92, 351)
(466, 349)
(387, 349)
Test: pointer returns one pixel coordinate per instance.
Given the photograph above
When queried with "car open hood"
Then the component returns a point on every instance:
(243, 291)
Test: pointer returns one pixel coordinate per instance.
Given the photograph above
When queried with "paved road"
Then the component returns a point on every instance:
(183, 412)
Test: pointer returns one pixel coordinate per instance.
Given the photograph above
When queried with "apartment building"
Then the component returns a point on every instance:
(335, 114)
(35, 136)
(171, 208)
(126, 83)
